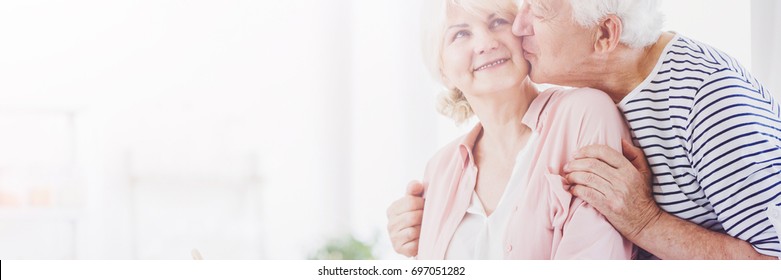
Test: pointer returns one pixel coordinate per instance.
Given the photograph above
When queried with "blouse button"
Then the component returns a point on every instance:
(509, 248)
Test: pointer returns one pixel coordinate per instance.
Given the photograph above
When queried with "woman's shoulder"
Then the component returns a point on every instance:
(568, 104)
(580, 98)
(582, 117)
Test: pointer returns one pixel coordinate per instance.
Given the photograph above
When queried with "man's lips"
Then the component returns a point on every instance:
(525, 50)
(491, 64)
(527, 55)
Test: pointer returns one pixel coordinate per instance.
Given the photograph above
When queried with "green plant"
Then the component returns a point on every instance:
(344, 248)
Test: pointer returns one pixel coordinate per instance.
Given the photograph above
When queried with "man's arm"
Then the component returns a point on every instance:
(669, 237)
(619, 187)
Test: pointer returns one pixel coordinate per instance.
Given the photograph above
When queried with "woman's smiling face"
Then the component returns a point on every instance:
(480, 54)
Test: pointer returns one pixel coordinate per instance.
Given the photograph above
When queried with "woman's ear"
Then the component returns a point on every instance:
(445, 80)
(608, 34)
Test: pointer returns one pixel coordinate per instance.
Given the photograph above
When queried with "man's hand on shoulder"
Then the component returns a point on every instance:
(617, 185)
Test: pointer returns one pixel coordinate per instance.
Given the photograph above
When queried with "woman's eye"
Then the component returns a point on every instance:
(460, 34)
(498, 22)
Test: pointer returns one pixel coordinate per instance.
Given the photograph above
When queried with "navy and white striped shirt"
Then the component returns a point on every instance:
(712, 135)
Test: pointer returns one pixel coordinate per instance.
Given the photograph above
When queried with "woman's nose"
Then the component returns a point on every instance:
(486, 43)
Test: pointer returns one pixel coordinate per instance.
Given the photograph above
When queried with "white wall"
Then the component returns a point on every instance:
(766, 43)
(750, 31)
(724, 24)
(185, 108)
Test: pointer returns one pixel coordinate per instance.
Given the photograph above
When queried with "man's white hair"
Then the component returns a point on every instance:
(642, 20)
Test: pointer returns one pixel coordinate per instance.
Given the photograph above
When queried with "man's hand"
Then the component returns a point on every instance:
(618, 186)
(404, 218)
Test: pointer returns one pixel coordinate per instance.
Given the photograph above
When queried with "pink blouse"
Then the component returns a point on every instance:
(547, 222)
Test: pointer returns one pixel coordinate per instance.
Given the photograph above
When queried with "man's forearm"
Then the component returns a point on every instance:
(669, 237)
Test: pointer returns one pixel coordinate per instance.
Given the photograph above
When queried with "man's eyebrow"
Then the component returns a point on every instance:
(540, 5)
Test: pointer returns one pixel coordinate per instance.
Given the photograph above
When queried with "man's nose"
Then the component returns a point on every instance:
(522, 24)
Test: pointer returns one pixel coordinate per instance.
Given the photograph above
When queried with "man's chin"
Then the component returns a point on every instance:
(537, 78)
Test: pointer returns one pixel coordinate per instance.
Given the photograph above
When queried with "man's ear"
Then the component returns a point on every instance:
(608, 34)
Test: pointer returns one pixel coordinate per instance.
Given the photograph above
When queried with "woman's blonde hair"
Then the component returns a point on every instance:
(451, 101)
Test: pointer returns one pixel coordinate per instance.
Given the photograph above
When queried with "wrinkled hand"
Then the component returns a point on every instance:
(405, 216)
(618, 186)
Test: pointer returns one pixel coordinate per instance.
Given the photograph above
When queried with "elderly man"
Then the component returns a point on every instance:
(706, 180)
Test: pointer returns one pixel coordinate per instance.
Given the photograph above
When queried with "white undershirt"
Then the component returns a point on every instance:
(480, 237)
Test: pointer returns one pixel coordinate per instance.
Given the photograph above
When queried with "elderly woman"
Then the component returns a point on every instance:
(495, 193)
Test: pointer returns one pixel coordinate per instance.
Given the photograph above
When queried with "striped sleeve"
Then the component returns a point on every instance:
(774, 214)
(735, 148)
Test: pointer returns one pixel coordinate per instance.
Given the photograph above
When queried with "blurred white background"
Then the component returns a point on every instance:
(246, 129)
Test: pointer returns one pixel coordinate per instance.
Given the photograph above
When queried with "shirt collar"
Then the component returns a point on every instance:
(530, 119)
(536, 108)
(467, 143)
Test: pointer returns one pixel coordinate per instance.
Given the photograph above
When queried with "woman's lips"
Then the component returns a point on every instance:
(491, 64)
